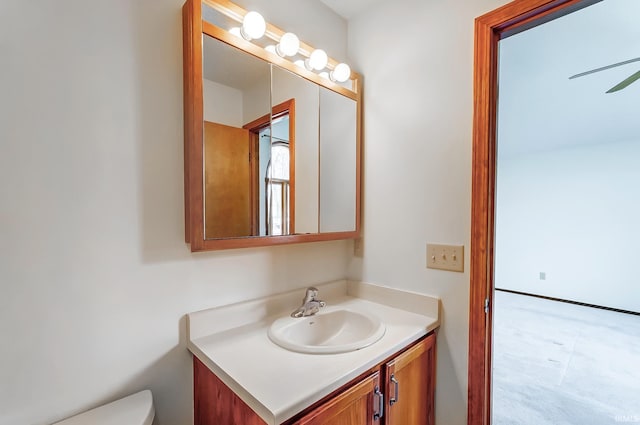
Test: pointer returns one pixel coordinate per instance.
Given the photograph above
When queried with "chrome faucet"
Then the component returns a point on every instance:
(310, 304)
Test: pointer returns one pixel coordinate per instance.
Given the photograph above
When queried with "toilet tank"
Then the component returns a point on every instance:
(136, 409)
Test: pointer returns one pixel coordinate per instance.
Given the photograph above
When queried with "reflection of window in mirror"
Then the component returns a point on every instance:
(277, 181)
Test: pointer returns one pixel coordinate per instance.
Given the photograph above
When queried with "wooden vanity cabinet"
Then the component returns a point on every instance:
(353, 406)
(410, 385)
(399, 391)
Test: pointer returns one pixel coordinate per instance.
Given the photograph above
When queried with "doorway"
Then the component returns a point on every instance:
(502, 23)
(272, 171)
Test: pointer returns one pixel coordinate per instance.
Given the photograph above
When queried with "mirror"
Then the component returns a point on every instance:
(305, 203)
(272, 150)
(237, 122)
(338, 117)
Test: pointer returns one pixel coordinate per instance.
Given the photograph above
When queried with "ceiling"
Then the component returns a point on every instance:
(232, 67)
(350, 8)
(541, 109)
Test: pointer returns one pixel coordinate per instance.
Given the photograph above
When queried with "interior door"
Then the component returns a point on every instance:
(410, 384)
(227, 181)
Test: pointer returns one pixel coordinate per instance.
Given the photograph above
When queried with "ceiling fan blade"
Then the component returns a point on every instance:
(593, 71)
(625, 83)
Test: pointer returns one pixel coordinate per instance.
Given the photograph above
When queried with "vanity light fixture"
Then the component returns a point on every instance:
(317, 60)
(253, 26)
(340, 73)
(289, 45)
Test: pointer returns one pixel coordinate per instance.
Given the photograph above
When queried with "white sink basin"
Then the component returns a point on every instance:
(332, 330)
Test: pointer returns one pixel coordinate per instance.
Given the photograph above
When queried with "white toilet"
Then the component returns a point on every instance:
(136, 409)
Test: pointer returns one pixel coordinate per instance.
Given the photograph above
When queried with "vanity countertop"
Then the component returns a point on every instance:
(277, 383)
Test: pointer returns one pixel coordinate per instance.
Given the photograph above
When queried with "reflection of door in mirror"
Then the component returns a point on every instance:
(236, 160)
(227, 185)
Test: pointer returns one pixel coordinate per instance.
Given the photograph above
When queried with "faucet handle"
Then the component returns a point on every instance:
(298, 313)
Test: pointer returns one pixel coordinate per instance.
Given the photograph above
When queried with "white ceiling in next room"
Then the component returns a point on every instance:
(540, 108)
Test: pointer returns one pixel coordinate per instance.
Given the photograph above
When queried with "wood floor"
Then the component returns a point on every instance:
(563, 364)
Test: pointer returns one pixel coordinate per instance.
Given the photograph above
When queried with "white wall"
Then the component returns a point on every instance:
(222, 104)
(95, 277)
(256, 100)
(417, 60)
(337, 159)
(573, 214)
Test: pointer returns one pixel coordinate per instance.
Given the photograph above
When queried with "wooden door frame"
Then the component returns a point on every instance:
(288, 107)
(490, 28)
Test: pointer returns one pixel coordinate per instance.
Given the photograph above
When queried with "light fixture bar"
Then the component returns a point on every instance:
(237, 13)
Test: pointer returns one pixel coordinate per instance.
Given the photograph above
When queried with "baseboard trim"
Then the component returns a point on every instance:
(570, 302)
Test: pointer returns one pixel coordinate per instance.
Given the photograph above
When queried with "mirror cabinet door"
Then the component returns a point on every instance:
(338, 158)
(237, 114)
(302, 99)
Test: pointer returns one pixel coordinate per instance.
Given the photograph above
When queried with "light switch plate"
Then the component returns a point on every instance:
(445, 257)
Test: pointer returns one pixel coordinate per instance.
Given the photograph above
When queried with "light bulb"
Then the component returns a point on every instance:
(253, 26)
(235, 31)
(289, 45)
(299, 63)
(271, 48)
(341, 73)
(318, 60)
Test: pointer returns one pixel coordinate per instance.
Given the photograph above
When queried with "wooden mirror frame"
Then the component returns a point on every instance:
(194, 28)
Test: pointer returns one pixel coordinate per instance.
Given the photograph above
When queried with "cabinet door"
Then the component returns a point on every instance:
(356, 405)
(410, 384)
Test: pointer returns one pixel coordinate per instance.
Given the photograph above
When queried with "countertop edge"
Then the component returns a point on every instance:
(260, 409)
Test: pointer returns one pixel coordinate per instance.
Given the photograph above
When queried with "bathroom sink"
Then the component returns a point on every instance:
(332, 330)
